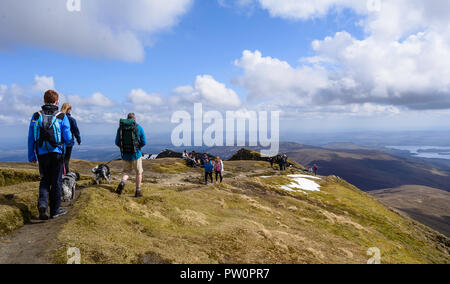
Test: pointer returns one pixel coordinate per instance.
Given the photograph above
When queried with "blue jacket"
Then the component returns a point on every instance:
(75, 131)
(209, 167)
(138, 155)
(66, 135)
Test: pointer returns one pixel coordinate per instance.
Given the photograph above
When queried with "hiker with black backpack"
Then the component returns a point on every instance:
(131, 139)
(49, 132)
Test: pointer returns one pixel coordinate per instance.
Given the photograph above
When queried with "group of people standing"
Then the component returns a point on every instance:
(51, 138)
(205, 162)
(281, 160)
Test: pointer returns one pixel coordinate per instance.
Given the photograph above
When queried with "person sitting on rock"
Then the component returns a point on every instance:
(190, 162)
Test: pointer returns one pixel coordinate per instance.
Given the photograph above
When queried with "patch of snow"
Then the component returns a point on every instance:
(287, 188)
(301, 184)
(303, 176)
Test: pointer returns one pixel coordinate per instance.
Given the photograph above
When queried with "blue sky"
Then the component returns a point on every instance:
(339, 64)
(207, 41)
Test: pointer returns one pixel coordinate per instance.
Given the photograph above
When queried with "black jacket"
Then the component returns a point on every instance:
(75, 131)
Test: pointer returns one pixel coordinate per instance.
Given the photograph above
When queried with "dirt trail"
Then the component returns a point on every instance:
(34, 242)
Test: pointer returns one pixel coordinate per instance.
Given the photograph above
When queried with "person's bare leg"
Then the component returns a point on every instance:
(138, 181)
(138, 185)
(121, 186)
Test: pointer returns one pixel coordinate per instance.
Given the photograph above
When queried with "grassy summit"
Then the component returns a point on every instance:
(247, 219)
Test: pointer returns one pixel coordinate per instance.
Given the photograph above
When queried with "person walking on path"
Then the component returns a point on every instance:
(131, 139)
(209, 167)
(203, 158)
(315, 168)
(218, 169)
(67, 109)
(48, 133)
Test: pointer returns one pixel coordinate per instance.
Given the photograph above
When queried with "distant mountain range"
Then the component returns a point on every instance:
(366, 168)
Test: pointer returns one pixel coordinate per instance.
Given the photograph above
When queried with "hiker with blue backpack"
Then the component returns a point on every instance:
(131, 139)
(48, 134)
(209, 167)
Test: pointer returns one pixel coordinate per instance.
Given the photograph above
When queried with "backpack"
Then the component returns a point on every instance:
(47, 130)
(129, 140)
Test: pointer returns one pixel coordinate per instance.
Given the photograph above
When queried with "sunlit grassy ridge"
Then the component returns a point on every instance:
(17, 206)
(247, 219)
(19, 193)
(15, 176)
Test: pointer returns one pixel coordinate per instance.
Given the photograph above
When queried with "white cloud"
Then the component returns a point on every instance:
(97, 99)
(140, 98)
(215, 93)
(307, 9)
(16, 106)
(43, 84)
(271, 78)
(208, 91)
(414, 72)
(403, 60)
(103, 28)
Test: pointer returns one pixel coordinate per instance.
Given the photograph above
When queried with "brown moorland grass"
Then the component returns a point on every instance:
(246, 219)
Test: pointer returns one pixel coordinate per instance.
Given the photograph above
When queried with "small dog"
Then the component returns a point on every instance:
(69, 184)
(102, 172)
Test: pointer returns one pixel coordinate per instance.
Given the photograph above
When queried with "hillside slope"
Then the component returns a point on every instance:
(247, 219)
(427, 205)
(372, 170)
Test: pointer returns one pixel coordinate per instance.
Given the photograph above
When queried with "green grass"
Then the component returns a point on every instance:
(245, 221)
(14, 176)
(171, 166)
(17, 206)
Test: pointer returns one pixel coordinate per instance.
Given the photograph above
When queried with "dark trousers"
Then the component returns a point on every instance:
(51, 170)
(219, 174)
(67, 156)
(208, 175)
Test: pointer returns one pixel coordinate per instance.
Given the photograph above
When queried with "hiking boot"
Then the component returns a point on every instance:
(59, 213)
(120, 188)
(138, 194)
(43, 215)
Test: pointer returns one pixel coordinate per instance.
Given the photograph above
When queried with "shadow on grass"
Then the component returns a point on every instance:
(8, 200)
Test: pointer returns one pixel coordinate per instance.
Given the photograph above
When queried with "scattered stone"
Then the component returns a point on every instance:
(9, 197)
(293, 208)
